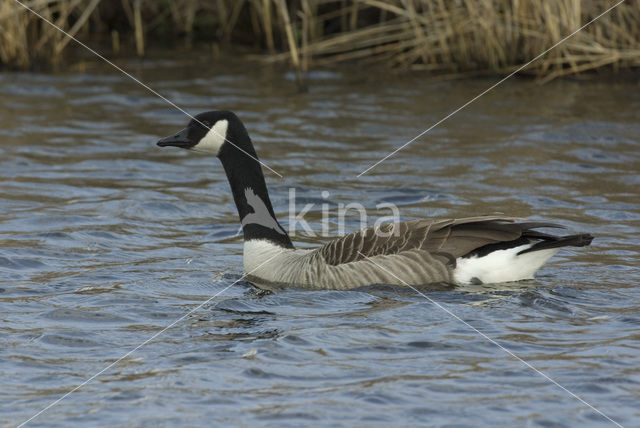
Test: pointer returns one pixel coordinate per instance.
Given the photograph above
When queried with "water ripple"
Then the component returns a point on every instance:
(105, 240)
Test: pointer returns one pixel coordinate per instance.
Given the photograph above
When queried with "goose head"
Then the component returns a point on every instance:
(223, 134)
(210, 132)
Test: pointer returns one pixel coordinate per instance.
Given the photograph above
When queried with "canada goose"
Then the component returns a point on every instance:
(474, 250)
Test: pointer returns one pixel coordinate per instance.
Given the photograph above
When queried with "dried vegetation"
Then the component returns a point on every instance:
(455, 37)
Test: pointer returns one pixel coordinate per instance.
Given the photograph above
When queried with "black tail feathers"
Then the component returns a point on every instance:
(580, 240)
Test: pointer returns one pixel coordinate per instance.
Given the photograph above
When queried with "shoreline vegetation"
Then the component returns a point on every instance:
(457, 37)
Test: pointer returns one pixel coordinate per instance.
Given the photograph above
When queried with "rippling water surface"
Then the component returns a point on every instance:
(106, 239)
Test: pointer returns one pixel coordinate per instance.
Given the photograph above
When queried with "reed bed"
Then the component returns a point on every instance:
(456, 37)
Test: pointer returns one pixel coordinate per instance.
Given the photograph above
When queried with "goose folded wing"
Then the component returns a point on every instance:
(448, 239)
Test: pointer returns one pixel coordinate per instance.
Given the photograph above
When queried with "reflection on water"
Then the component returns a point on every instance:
(106, 239)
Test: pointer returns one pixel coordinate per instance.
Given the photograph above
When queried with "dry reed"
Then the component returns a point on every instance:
(452, 37)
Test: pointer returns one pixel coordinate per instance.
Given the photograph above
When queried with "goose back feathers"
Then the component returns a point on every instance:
(422, 252)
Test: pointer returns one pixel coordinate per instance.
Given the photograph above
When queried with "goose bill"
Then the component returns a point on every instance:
(181, 139)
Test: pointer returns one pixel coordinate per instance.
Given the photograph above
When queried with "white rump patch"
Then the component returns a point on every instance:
(501, 265)
(214, 139)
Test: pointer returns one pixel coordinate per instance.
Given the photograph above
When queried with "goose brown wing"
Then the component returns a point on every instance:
(449, 239)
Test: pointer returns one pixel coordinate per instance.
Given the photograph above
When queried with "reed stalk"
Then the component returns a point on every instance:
(440, 36)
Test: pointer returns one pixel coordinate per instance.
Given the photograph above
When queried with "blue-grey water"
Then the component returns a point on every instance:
(106, 239)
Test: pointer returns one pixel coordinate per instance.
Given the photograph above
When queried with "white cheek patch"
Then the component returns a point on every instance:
(214, 139)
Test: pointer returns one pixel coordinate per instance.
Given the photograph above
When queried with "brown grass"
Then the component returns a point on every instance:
(438, 36)
(463, 36)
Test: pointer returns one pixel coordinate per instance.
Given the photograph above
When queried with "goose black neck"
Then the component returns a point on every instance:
(249, 188)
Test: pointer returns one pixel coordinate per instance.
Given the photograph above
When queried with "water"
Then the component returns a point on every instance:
(106, 239)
